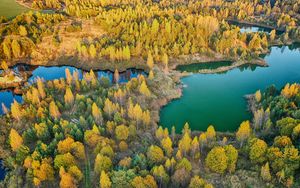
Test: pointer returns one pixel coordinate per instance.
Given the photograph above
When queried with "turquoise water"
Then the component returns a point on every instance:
(218, 99)
(51, 73)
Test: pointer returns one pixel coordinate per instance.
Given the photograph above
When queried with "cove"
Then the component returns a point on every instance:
(57, 72)
(218, 99)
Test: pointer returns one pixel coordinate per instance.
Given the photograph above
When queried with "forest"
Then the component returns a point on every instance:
(92, 132)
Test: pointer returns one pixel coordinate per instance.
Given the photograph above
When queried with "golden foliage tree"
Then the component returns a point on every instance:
(15, 140)
(53, 109)
(243, 132)
(216, 160)
(104, 180)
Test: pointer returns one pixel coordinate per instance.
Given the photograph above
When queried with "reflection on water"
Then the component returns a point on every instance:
(195, 67)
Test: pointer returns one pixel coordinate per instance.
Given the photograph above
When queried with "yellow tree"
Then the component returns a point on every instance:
(122, 132)
(69, 77)
(151, 75)
(166, 144)
(15, 140)
(66, 180)
(69, 97)
(216, 160)
(102, 163)
(165, 61)
(155, 154)
(265, 172)
(16, 110)
(4, 65)
(202, 140)
(150, 62)
(185, 143)
(116, 76)
(258, 96)
(53, 109)
(40, 86)
(96, 112)
(144, 89)
(104, 180)
(243, 132)
(210, 133)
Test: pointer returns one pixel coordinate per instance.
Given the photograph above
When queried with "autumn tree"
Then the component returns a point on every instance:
(166, 144)
(66, 180)
(15, 140)
(257, 150)
(41, 89)
(122, 132)
(265, 172)
(155, 154)
(232, 156)
(150, 62)
(69, 98)
(144, 89)
(165, 61)
(53, 109)
(243, 132)
(97, 114)
(104, 180)
(216, 160)
(210, 133)
(16, 110)
(185, 143)
(102, 163)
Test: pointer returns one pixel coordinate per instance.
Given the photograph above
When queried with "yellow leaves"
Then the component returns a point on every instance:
(210, 133)
(64, 146)
(69, 77)
(96, 112)
(16, 110)
(104, 180)
(69, 145)
(53, 109)
(102, 163)
(185, 143)
(150, 61)
(92, 137)
(40, 86)
(244, 131)
(155, 154)
(216, 160)
(110, 107)
(290, 90)
(122, 132)
(40, 128)
(144, 89)
(166, 144)
(66, 181)
(69, 98)
(258, 96)
(15, 140)
(75, 172)
(4, 65)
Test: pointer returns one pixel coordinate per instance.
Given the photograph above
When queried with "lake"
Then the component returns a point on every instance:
(10, 9)
(218, 99)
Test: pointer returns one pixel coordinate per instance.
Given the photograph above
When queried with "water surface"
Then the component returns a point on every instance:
(218, 99)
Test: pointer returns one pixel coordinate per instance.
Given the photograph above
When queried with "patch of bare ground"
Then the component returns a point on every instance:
(48, 50)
